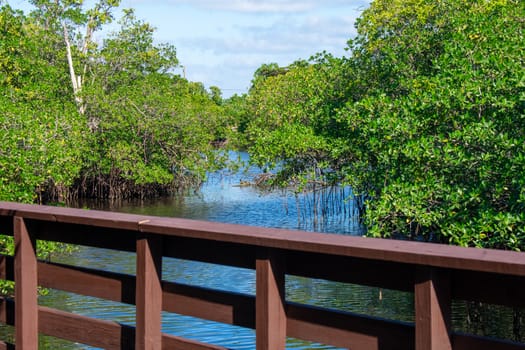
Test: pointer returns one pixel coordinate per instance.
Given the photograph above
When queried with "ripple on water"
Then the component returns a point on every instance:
(220, 200)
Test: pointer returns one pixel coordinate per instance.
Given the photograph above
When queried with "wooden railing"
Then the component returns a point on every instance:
(436, 274)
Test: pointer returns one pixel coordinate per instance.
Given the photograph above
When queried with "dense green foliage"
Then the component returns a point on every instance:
(105, 120)
(425, 120)
(153, 131)
(40, 131)
(109, 119)
(292, 124)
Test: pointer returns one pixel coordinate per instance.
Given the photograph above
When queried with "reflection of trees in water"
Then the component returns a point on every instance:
(467, 317)
(517, 323)
(488, 320)
(364, 300)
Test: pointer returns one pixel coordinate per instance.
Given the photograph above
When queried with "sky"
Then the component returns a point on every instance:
(222, 42)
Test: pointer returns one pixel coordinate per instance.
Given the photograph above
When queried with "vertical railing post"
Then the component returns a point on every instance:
(149, 293)
(270, 320)
(432, 310)
(26, 302)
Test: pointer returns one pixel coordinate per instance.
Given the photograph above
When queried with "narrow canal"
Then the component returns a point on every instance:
(222, 199)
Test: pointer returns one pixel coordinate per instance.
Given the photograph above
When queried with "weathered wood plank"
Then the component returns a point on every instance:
(231, 308)
(416, 253)
(104, 334)
(96, 283)
(94, 218)
(351, 270)
(432, 310)
(381, 263)
(304, 322)
(270, 322)
(232, 254)
(488, 288)
(347, 330)
(219, 306)
(149, 293)
(409, 252)
(98, 237)
(86, 330)
(311, 323)
(176, 343)
(465, 285)
(25, 287)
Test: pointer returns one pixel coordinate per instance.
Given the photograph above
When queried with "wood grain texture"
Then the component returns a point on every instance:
(26, 310)
(347, 330)
(434, 273)
(432, 310)
(170, 342)
(85, 330)
(416, 253)
(149, 293)
(270, 319)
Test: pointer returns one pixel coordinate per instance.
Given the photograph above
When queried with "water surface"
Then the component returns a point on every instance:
(221, 199)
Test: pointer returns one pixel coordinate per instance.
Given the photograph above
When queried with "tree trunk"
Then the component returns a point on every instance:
(76, 81)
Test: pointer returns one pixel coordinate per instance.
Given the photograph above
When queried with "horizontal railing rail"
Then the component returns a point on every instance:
(436, 274)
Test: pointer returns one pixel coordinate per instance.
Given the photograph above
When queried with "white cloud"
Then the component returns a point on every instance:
(284, 37)
(223, 42)
(261, 6)
(230, 76)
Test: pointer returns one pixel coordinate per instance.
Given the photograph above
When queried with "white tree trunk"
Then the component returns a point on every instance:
(76, 81)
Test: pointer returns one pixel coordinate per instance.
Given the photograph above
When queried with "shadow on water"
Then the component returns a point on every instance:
(221, 199)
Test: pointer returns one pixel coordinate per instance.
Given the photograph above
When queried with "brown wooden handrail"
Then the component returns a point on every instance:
(436, 274)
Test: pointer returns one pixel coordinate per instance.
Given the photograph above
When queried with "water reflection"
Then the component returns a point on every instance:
(222, 200)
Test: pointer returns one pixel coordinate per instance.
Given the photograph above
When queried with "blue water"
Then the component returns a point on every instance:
(221, 199)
